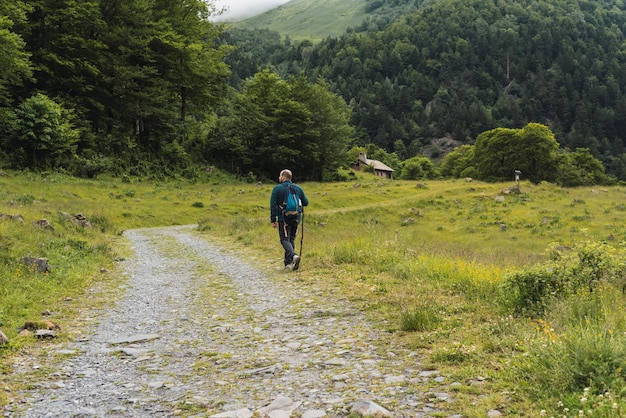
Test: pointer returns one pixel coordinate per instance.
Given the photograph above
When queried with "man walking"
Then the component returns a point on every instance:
(287, 221)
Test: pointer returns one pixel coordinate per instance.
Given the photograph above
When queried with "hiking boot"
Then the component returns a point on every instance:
(289, 267)
(295, 263)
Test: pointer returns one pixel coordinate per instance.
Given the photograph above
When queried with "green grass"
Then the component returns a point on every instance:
(443, 267)
(312, 20)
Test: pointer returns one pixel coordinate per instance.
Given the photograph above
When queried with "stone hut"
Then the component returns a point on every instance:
(380, 169)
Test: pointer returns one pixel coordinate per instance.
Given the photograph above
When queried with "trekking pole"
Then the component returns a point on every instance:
(302, 232)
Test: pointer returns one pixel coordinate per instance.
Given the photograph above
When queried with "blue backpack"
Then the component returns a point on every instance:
(292, 205)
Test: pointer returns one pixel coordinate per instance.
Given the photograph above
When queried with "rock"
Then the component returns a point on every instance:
(44, 224)
(336, 362)
(369, 409)
(15, 218)
(281, 406)
(24, 333)
(57, 385)
(132, 352)
(139, 338)
(314, 413)
(40, 264)
(240, 413)
(429, 373)
(37, 325)
(262, 370)
(390, 380)
(82, 221)
(45, 333)
(494, 413)
(442, 396)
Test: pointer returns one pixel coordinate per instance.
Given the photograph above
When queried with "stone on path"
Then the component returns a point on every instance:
(280, 407)
(240, 413)
(369, 409)
(139, 338)
(314, 413)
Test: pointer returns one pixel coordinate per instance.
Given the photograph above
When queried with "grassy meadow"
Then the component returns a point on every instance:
(516, 295)
(309, 20)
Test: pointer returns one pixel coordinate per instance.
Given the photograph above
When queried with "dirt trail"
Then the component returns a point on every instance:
(198, 332)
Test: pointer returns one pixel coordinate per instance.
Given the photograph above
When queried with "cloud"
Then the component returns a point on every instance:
(241, 9)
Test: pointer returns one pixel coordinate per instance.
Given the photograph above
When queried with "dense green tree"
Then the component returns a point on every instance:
(166, 73)
(533, 150)
(458, 161)
(143, 77)
(15, 65)
(277, 123)
(580, 168)
(501, 151)
(330, 119)
(44, 136)
(418, 168)
(187, 55)
(64, 40)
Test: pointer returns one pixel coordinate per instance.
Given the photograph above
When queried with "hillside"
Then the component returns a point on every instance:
(455, 69)
(309, 19)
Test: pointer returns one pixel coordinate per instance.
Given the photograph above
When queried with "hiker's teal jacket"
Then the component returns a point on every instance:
(279, 194)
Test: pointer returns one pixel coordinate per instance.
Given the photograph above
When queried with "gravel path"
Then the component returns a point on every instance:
(197, 332)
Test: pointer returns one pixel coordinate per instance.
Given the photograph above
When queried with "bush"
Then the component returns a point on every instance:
(91, 165)
(45, 136)
(566, 273)
(418, 168)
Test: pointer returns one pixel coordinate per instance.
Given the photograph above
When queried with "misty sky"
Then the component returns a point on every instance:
(239, 9)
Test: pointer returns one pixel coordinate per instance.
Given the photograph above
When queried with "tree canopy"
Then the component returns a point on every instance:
(288, 123)
(531, 150)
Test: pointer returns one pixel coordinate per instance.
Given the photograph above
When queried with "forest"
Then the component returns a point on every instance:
(457, 69)
(152, 87)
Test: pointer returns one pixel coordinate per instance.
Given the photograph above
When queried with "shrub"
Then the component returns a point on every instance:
(566, 273)
(418, 168)
(45, 136)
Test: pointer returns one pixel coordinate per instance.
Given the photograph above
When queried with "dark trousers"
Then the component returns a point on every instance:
(287, 232)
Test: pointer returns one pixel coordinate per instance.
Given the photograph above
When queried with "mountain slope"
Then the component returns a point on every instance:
(309, 19)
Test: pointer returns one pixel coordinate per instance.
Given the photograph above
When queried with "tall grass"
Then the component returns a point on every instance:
(523, 291)
(576, 360)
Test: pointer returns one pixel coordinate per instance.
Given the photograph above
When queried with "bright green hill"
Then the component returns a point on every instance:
(309, 19)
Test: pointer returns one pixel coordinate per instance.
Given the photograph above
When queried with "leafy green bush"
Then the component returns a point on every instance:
(568, 272)
(419, 168)
(45, 136)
